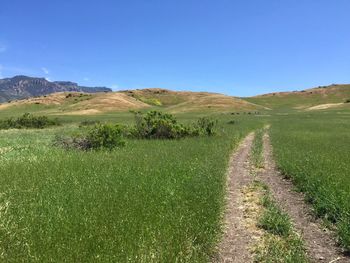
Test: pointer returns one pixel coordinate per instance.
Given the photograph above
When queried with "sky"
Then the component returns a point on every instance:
(235, 47)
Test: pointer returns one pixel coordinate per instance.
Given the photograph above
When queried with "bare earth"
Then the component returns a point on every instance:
(320, 243)
(237, 238)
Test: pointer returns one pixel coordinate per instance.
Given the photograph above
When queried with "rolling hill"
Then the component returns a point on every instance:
(324, 97)
(79, 103)
(76, 100)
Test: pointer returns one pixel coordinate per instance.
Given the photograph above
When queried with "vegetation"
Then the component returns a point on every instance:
(313, 151)
(152, 201)
(101, 136)
(28, 120)
(303, 99)
(257, 149)
(279, 243)
(158, 125)
(159, 199)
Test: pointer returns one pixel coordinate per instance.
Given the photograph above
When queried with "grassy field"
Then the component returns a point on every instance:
(313, 150)
(151, 201)
(155, 200)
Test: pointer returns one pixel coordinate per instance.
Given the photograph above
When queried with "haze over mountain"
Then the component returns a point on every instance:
(21, 87)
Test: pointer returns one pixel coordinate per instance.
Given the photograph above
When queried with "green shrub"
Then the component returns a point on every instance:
(28, 120)
(347, 101)
(101, 136)
(207, 126)
(158, 125)
(106, 136)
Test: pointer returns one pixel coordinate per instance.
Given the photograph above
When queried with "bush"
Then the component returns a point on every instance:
(106, 136)
(207, 126)
(101, 136)
(347, 101)
(67, 142)
(28, 120)
(158, 125)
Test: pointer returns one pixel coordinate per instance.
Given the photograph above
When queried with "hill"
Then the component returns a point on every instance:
(311, 99)
(188, 101)
(21, 87)
(78, 103)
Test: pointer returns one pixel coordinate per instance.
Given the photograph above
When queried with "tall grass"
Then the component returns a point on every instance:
(280, 243)
(151, 201)
(257, 157)
(313, 150)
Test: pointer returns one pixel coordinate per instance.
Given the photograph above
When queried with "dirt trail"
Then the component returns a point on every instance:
(320, 244)
(237, 238)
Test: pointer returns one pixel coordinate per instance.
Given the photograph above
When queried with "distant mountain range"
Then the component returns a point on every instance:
(21, 87)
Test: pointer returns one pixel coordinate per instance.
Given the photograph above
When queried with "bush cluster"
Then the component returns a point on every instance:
(28, 120)
(105, 136)
(151, 125)
(158, 125)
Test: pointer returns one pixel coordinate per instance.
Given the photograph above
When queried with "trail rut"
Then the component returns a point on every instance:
(320, 243)
(237, 238)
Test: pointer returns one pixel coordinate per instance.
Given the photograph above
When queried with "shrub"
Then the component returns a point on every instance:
(347, 101)
(158, 125)
(207, 126)
(106, 136)
(101, 136)
(28, 120)
(67, 142)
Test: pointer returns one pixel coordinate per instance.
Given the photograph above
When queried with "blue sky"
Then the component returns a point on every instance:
(236, 47)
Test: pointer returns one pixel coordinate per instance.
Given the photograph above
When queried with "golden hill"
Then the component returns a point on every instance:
(75, 103)
(188, 101)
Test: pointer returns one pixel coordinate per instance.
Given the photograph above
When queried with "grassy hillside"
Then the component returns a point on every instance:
(186, 101)
(75, 103)
(311, 99)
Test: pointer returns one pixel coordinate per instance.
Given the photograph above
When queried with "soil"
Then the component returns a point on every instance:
(237, 238)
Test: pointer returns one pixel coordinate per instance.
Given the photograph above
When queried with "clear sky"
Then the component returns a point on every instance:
(236, 47)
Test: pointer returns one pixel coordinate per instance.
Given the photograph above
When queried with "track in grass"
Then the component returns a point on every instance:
(320, 243)
(237, 238)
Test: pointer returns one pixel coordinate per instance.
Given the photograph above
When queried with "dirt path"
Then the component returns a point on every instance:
(237, 238)
(320, 243)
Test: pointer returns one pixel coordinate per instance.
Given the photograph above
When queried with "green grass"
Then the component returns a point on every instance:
(273, 219)
(280, 243)
(313, 150)
(151, 201)
(257, 157)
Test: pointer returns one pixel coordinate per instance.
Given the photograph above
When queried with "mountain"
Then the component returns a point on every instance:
(323, 97)
(21, 87)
